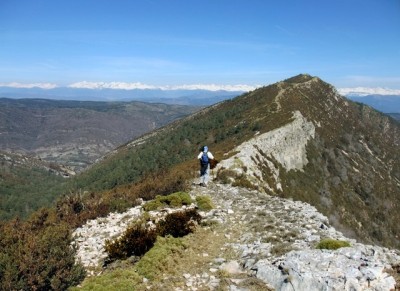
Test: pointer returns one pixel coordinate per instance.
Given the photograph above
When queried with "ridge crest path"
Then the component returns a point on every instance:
(254, 241)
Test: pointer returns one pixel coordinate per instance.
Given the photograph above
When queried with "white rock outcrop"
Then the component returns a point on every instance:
(354, 268)
(90, 239)
(286, 144)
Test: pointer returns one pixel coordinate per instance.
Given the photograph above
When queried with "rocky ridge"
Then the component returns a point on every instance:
(272, 242)
(286, 145)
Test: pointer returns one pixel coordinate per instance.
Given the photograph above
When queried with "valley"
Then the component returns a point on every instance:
(76, 133)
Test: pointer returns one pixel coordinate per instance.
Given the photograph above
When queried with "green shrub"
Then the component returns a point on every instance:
(280, 249)
(204, 203)
(332, 244)
(242, 181)
(225, 176)
(176, 199)
(153, 264)
(173, 200)
(186, 199)
(37, 258)
(116, 280)
(153, 205)
(228, 176)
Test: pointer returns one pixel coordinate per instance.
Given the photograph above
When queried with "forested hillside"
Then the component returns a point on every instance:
(27, 184)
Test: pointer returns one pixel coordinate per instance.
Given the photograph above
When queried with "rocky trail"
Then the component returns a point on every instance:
(253, 241)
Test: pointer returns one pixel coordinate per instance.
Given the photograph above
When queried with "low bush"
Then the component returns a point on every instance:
(153, 264)
(116, 280)
(226, 176)
(280, 249)
(136, 240)
(38, 257)
(332, 244)
(176, 199)
(204, 203)
(242, 181)
(153, 205)
(179, 223)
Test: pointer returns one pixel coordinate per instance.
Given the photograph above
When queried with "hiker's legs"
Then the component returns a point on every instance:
(204, 174)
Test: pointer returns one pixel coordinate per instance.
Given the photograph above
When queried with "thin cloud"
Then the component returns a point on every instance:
(359, 78)
(29, 85)
(364, 91)
(111, 85)
(138, 85)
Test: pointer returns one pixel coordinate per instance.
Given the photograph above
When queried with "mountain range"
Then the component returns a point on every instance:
(383, 103)
(384, 100)
(194, 97)
(297, 139)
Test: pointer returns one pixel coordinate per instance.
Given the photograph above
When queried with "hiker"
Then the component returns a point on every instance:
(204, 157)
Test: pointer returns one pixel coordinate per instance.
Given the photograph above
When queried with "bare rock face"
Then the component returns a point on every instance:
(286, 145)
(355, 268)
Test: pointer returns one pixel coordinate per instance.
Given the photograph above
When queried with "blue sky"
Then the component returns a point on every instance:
(347, 43)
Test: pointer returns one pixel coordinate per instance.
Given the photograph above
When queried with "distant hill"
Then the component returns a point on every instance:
(198, 97)
(76, 133)
(395, 116)
(383, 103)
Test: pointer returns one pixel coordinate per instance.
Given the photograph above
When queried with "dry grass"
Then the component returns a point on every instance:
(395, 272)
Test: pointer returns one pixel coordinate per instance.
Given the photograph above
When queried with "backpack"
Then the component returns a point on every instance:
(204, 159)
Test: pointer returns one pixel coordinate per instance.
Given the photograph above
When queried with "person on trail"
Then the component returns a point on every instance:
(204, 157)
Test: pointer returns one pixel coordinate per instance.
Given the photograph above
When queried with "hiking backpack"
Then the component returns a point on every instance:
(204, 159)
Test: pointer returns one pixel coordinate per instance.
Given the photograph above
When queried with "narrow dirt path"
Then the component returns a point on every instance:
(211, 261)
